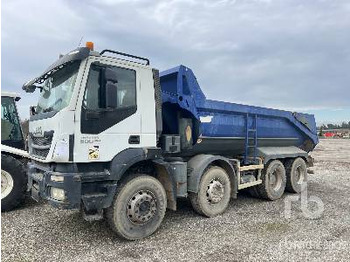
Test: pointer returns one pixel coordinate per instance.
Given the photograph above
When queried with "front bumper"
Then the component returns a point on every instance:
(40, 184)
(93, 190)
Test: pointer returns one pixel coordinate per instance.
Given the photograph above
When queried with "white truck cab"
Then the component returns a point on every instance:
(73, 121)
(95, 121)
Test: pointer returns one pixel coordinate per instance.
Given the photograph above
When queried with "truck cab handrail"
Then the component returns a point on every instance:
(125, 54)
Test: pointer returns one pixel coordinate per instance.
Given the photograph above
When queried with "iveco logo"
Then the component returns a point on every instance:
(38, 131)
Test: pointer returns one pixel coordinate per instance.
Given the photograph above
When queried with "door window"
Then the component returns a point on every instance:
(95, 116)
(94, 99)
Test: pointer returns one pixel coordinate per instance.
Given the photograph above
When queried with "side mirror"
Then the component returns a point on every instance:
(29, 88)
(111, 75)
(111, 88)
(111, 95)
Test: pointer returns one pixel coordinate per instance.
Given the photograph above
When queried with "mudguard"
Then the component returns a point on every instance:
(270, 153)
(198, 164)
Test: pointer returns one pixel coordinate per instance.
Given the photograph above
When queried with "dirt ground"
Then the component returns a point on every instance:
(250, 230)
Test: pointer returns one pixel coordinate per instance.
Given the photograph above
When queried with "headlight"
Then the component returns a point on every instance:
(57, 193)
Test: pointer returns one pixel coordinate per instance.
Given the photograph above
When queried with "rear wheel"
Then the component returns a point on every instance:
(253, 191)
(214, 193)
(13, 182)
(296, 171)
(138, 207)
(273, 181)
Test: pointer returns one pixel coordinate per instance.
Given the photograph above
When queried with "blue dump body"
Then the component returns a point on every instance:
(229, 128)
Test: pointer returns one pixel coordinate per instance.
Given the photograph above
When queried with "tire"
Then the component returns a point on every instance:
(273, 181)
(13, 182)
(296, 171)
(138, 194)
(214, 193)
(254, 192)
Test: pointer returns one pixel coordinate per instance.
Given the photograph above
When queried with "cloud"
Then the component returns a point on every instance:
(286, 54)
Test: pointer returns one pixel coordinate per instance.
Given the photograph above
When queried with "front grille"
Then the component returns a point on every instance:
(40, 145)
(41, 141)
(40, 153)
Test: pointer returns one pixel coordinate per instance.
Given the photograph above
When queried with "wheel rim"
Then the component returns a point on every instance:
(6, 183)
(276, 179)
(299, 175)
(142, 207)
(215, 191)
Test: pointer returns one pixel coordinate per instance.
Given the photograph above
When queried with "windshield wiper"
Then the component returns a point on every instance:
(48, 109)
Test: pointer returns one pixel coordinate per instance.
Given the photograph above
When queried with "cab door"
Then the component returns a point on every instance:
(104, 131)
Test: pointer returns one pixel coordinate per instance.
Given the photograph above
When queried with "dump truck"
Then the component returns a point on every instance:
(14, 157)
(115, 138)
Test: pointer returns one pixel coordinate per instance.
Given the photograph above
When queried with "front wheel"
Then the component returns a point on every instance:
(13, 182)
(138, 207)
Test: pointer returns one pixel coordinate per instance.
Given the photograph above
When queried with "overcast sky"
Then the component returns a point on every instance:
(288, 54)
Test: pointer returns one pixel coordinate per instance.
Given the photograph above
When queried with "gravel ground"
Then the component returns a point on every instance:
(250, 230)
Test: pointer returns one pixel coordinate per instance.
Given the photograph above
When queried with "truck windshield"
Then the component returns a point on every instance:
(57, 90)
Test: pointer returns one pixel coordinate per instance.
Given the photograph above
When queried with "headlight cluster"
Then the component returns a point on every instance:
(58, 194)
